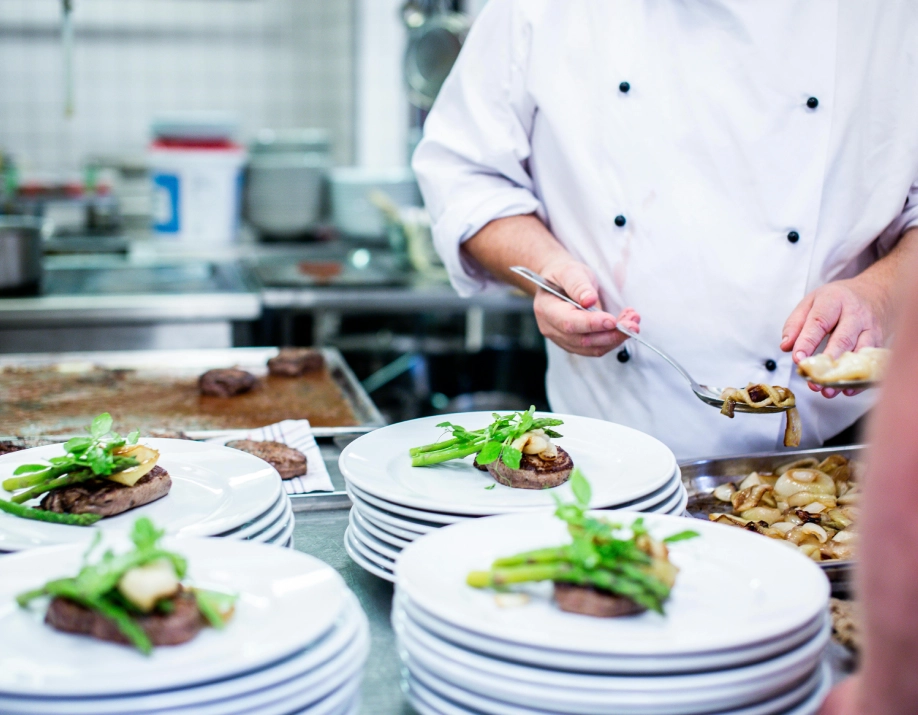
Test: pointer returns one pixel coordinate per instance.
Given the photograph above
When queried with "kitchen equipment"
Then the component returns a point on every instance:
(701, 477)
(435, 37)
(196, 173)
(710, 395)
(353, 213)
(20, 255)
(332, 399)
(285, 181)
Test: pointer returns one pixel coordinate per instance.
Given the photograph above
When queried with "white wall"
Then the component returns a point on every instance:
(274, 63)
(382, 104)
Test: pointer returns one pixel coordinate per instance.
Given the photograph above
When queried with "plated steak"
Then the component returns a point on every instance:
(226, 382)
(535, 472)
(293, 362)
(9, 447)
(289, 462)
(108, 498)
(589, 601)
(179, 626)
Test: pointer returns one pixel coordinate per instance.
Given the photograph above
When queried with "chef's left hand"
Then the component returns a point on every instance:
(852, 312)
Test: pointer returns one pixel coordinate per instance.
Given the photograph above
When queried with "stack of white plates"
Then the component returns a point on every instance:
(216, 491)
(395, 503)
(297, 643)
(744, 631)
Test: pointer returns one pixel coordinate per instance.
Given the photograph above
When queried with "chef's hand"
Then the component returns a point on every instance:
(843, 699)
(851, 311)
(591, 334)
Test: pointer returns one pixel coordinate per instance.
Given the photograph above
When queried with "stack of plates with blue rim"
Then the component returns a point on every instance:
(744, 632)
(297, 642)
(216, 491)
(395, 503)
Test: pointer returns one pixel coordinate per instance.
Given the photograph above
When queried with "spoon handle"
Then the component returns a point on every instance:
(559, 292)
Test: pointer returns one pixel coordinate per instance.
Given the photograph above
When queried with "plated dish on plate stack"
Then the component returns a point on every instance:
(395, 503)
(741, 629)
(204, 490)
(255, 663)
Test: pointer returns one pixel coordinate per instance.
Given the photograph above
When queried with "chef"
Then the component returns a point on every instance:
(737, 177)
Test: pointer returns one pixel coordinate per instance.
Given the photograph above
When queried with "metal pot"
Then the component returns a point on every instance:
(20, 255)
(285, 182)
(434, 41)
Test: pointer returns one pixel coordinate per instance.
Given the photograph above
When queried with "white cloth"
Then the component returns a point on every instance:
(713, 157)
(296, 434)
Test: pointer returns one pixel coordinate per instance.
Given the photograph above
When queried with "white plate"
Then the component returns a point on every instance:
(435, 517)
(364, 510)
(214, 489)
(367, 539)
(286, 536)
(414, 526)
(363, 562)
(605, 664)
(351, 624)
(683, 503)
(277, 587)
(374, 556)
(727, 576)
(787, 666)
(379, 532)
(335, 703)
(259, 524)
(272, 532)
(803, 700)
(622, 465)
(673, 505)
(596, 695)
(666, 499)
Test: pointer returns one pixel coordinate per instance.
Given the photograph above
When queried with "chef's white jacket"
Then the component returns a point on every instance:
(711, 161)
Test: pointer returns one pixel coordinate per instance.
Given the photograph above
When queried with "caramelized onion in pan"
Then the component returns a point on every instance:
(808, 504)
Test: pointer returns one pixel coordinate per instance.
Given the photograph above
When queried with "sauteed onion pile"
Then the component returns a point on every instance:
(760, 395)
(812, 505)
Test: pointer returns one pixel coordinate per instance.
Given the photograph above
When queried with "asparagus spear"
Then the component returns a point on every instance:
(492, 443)
(26, 512)
(600, 556)
(74, 477)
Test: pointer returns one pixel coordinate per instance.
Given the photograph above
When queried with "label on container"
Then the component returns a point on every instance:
(166, 203)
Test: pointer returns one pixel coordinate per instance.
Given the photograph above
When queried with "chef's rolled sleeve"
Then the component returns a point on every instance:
(906, 220)
(472, 162)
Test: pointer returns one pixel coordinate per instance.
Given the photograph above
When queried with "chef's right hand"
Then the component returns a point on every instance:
(592, 334)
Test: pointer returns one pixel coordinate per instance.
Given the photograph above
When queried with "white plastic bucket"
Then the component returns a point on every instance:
(197, 191)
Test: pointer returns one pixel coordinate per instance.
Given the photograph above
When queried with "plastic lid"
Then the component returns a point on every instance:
(271, 141)
(198, 126)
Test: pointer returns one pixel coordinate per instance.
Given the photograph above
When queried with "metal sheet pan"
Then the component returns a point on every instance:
(702, 476)
(179, 364)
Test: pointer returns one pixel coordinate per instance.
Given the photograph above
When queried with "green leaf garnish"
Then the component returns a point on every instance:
(581, 489)
(681, 536)
(101, 425)
(489, 453)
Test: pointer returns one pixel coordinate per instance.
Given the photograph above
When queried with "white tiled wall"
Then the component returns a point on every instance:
(276, 63)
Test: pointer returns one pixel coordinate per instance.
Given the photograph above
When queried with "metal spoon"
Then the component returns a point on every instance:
(710, 395)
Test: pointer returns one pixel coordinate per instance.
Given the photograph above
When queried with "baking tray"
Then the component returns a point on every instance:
(333, 400)
(702, 476)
